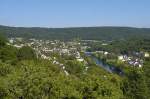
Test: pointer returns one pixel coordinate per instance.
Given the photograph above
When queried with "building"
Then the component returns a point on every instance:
(146, 54)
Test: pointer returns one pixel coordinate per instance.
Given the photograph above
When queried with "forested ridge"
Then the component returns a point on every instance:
(91, 33)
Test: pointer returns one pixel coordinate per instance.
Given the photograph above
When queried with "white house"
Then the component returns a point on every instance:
(11, 41)
(146, 54)
(66, 72)
(120, 57)
(105, 53)
(80, 59)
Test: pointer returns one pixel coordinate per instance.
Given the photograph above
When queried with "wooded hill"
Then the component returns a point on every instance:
(90, 33)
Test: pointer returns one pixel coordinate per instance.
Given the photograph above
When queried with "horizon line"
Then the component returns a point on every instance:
(72, 26)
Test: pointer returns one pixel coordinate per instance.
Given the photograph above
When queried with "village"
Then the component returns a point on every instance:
(45, 48)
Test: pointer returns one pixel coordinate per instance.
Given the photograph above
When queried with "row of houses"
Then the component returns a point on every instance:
(133, 60)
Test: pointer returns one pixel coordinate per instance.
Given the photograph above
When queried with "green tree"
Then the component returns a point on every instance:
(8, 53)
(135, 86)
(3, 40)
(74, 67)
(26, 53)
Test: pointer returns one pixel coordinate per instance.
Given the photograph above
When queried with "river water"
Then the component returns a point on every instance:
(107, 67)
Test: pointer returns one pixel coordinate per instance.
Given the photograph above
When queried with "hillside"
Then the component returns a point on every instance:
(23, 75)
(92, 33)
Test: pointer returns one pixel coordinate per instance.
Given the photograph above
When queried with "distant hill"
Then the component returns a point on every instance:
(90, 33)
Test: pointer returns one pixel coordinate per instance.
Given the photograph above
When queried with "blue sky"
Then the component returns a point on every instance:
(75, 13)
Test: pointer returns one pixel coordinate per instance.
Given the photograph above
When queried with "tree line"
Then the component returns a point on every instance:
(87, 33)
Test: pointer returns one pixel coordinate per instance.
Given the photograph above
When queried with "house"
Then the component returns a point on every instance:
(105, 53)
(66, 72)
(86, 68)
(99, 52)
(146, 54)
(104, 44)
(140, 65)
(11, 41)
(80, 59)
(18, 46)
(120, 57)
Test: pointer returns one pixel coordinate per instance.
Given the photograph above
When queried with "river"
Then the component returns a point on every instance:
(107, 67)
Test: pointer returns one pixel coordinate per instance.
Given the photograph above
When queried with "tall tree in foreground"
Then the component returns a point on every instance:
(135, 86)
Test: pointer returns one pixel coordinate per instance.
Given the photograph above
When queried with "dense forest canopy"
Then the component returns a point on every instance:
(92, 33)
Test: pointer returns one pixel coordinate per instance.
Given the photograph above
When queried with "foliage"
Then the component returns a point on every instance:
(26, 53)
(74, 67)
(3, 40)
(8, 53)
(135, 86)
(31, 78)
(91, 33)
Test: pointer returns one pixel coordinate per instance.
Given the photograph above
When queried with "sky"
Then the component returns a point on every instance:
(75, 13)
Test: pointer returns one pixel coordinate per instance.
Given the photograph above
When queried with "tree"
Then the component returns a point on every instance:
(74, 67)
(135, 86)
(3, 40)
(8, 53)
(26, 53)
